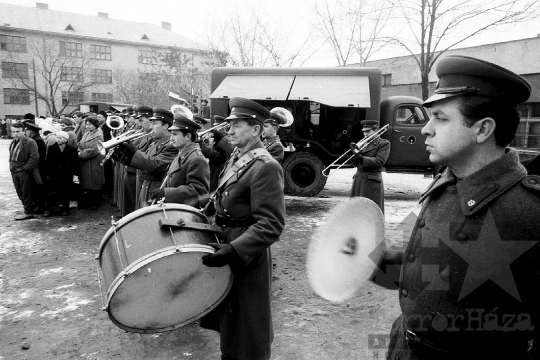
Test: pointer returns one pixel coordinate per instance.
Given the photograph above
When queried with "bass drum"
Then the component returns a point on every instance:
(152, 268)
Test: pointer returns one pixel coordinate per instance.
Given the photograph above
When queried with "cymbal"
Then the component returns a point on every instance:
(346, 250)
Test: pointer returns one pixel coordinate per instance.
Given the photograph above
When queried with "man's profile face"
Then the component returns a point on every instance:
(179, 140)
(449, 141)
(159, 128)
(77, 118)
(241, 133)
(368, 132)
(269, 130)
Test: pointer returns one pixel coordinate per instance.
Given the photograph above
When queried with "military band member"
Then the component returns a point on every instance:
(188, 178)
(200, 120)
(368, 181)
(470, 273)
(217, 150)
(250, 208)
(154, 161)
(271, 138)
(130, 187)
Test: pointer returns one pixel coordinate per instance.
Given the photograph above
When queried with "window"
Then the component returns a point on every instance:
(387, 79)
(16, 96)
(74, 97)
(13, 43)
(105, 97)
(101, 76)
(71, 74)
(100, 52)
(147, 57)
(145, 76)
(410, 115)
(14, 70)
(70, 49)
(528, 132)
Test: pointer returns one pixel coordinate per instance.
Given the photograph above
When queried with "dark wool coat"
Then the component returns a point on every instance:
(131, 190)
(275, 148)
(79, 130)
(42, 149)
(470, 273)
(60, 166)
(188, 178)
(27, 160)
(244, 318)
(153, 163)
(92, 174)
(368, 181)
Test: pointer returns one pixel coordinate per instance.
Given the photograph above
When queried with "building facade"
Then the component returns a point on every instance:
(52, 60)
(401, 76)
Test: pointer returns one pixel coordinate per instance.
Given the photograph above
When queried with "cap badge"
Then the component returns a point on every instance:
(471, 202)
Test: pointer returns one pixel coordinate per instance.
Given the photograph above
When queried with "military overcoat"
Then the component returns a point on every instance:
(275, 148)
(188, 178)
(368, 181)
(244, 318)
(131, 188)
(217, 155)
(153, 163)
(471, 271)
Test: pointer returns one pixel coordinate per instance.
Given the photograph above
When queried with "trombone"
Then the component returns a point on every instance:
(355, 148)
(127, 136)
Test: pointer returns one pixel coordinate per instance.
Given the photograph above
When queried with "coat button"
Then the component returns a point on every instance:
(421, 223)
(226, 193)
(462, 237)
(224, 210)
(404, 292)
(412, 257)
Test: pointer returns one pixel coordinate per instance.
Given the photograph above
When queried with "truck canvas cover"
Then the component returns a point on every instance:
(333, 90)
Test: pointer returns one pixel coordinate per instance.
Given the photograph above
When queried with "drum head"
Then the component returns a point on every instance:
(167, 289)
(346, 250)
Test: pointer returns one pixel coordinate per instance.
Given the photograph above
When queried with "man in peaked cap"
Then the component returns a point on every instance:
(200, 120)
(188, 178)
(129, 192)
(468, 284)
(369, 162)
(40, 186)
(154, 161)
(250, 209)
(271, 138)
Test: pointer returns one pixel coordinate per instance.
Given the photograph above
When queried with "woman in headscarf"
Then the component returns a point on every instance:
(61, 168)
(92, 175)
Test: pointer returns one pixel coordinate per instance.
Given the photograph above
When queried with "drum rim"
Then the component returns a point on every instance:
(136, 215)
(156, 255)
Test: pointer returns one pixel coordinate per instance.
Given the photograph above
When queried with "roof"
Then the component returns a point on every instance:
(52, 21)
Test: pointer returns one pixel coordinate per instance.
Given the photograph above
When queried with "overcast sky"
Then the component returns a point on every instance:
(189, 18)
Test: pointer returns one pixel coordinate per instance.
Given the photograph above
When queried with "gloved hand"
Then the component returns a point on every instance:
(157, 194)
(224, 255)
(357, 159)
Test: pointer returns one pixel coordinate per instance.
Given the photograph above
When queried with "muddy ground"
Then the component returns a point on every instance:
(50, 300)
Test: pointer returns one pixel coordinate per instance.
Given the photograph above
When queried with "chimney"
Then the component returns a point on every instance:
(103, 15)
(42, 6)
(166, 25)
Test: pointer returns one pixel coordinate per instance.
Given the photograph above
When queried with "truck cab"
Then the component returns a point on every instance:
(328, 105)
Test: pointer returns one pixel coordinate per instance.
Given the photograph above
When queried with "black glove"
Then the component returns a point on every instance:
(218, 135)
(157, 194)
(128, 150)
(224, 255)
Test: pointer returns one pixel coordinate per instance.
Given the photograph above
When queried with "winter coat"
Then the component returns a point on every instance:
(92, 174)
(275, 148)
(470, 273)
(254, 195)
(188, 178)
(27, 159)
(217, 155)
(153, 164)
(368, 181)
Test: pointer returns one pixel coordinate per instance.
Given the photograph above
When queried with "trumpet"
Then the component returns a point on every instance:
(205, 135)
(355, 148)
(127, 136)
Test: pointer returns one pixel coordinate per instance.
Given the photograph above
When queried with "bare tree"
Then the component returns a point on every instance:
(61, 75)
(352, 28)
(435, 26)
(251, 38)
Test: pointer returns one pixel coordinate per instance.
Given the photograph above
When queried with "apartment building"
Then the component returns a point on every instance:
(89, 58)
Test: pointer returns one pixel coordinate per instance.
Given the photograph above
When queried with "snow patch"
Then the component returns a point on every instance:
(50, 271)
(72, 227)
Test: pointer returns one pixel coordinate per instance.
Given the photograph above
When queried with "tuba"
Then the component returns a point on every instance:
(284, 114)
(115, 122)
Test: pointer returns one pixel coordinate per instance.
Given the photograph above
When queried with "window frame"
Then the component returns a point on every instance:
(67, 51)
(100, 52)
(7, 40)
(148, 57)
(101, 76)
(75, 100)
(19, 93)
(15, 71)
(103, 97)
(71, 75)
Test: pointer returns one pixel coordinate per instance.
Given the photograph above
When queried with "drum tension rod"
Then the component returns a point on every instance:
(96, 257)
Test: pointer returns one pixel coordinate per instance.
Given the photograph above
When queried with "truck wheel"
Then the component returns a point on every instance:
(303, 174)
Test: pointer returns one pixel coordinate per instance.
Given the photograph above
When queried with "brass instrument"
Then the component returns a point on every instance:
(206, 134)
(355, 148)
(127, 136)
(115, 122)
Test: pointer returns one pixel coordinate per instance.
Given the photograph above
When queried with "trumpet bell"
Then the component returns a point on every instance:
(345, 252)
(115, 122)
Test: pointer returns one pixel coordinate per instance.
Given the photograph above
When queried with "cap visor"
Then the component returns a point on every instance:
(174, 128)
(234, 117)
(437, 97)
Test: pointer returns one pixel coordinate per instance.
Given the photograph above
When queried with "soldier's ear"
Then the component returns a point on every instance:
(485, 128)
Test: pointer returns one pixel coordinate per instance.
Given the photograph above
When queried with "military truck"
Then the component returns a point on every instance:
(328, 105)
